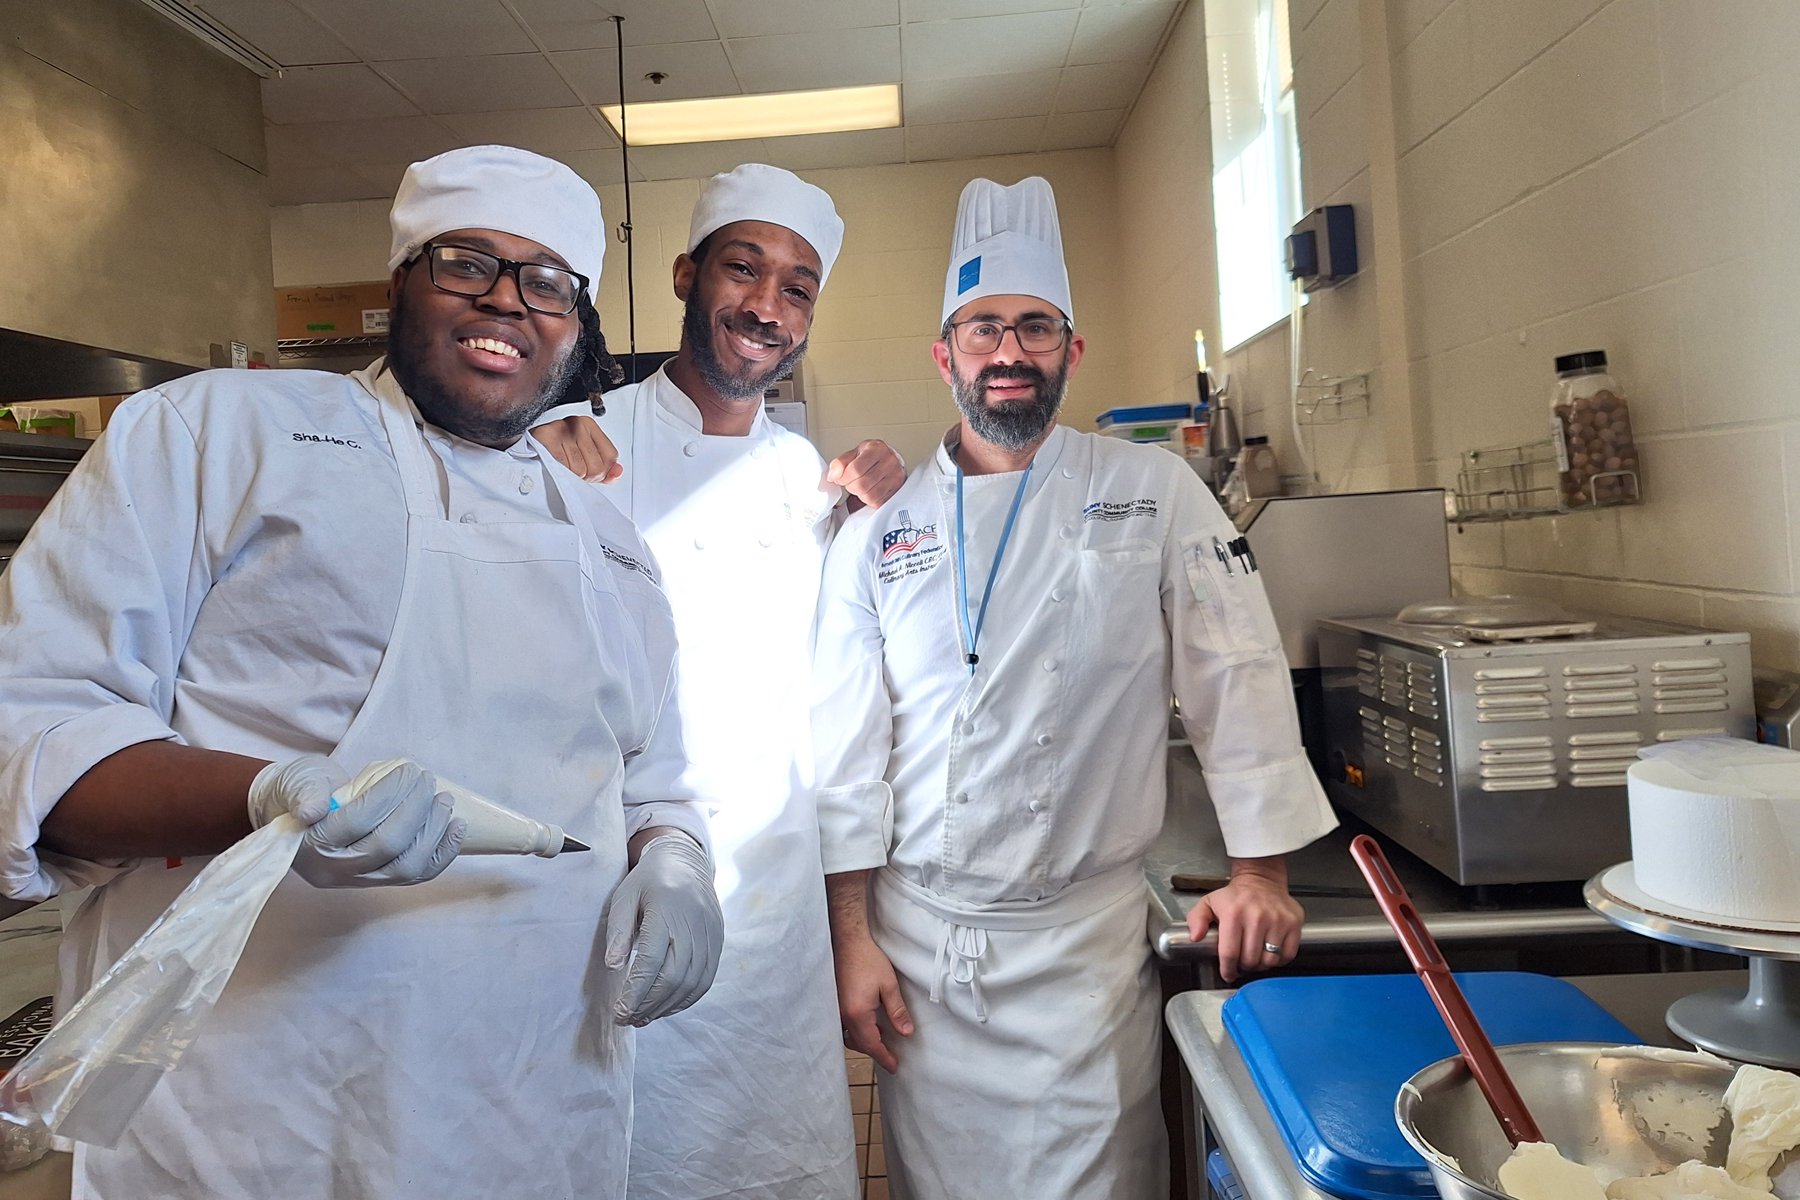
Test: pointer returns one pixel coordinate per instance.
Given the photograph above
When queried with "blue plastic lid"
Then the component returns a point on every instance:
(1148, 412)
(1329, 1054)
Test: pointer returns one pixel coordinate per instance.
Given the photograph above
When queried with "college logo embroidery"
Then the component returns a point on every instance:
(628, 562)
(1117, 510)
(908, 549)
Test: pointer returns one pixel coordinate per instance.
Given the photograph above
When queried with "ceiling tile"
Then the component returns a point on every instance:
(697, 161)
(791, 62)
(323, 185)
(351, 92)
(953, 49)
(599, 167)
(422, 28)
(692, 69)
(1125, 33)
(279, 30)
(385, 176)
(585, 24)
(760, 18)
(289, 152)
(371, 143)
(949, 10)
(818, 151)
(1095, 86)
(973, 139)
(1072, 131)
(490, 83)
(549, 131)
(983, 97)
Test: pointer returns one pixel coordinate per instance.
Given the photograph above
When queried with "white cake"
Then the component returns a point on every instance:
(1715, 827)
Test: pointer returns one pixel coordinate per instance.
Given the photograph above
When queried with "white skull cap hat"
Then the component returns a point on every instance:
(759, 192)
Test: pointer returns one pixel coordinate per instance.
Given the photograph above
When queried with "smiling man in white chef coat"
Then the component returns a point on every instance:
(996, 649)
(744, 1094)
(257, 582)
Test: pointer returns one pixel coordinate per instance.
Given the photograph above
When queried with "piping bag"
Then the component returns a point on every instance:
(91, 1074)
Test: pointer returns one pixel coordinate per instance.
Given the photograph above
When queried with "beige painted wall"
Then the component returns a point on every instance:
(869, 372)
(131, 183)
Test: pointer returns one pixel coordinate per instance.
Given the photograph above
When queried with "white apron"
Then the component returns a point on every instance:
(744, 1094)
(1034, 1064)
(448, 1039)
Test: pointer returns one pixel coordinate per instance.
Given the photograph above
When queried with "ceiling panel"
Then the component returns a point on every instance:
(490, 83)
(372, 143)
(1073, 131)
(950, 10)
(973, 139)
(819, 151)
(1095, 86)
(979, 45)
(281, 31)
(792, 62)
(386, 29)
(698, 161)
(288, 151)
(552, 131)
(586, 25)
(600, 168)
(351, 92)
(1124, 33)
(692, 68)
(983, 97)
(760, 18)
(323, 185)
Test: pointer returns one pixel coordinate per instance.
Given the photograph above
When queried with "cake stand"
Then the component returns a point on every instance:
(1761, 1025)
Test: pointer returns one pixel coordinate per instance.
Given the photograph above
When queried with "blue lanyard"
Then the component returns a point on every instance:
(973, 635)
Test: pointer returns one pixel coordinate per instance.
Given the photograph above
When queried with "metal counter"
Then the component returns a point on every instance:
(1457, 916)
(1231, 1115)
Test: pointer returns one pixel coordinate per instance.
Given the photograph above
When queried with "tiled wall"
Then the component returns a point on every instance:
(869, 372)
(1569, 174)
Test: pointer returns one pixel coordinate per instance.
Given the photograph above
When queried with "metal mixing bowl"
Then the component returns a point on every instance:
(1629, 1110)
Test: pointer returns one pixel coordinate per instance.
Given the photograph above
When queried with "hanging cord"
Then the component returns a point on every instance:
(625, 226)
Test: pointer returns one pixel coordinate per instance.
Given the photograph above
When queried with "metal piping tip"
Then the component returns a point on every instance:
(570, 843)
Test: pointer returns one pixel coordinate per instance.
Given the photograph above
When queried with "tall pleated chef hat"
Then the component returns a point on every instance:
(759, 192)
(1007, 242)
(505, 189)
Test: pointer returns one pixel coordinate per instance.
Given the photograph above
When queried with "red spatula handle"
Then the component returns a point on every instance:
(1422, 950)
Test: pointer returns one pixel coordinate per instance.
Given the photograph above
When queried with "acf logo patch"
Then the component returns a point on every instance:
(908, 549)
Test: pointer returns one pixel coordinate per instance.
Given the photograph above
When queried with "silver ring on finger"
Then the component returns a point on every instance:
(1271, 948)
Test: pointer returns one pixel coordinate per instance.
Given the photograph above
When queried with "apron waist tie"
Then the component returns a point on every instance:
(959, 959)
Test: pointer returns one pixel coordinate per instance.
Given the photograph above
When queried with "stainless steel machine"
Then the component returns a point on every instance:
(1503, 761)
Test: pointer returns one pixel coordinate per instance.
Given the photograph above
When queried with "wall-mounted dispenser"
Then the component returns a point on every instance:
(1321, 252)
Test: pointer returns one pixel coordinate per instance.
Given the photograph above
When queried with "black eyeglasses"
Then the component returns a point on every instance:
(466, 272)
(1037, 335)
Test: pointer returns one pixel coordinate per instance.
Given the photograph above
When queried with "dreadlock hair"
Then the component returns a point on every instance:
(595, 367)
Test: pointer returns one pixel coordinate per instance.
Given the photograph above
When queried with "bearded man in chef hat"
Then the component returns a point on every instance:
(739, 511)
(256, 583)
(997, 646)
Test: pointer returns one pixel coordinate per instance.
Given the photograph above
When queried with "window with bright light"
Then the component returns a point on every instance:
(1256, 160)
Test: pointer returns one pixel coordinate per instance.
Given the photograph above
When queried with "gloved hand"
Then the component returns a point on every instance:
(665, 913)
(401, 830)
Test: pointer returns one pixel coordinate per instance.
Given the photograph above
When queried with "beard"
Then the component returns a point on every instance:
(697, 332)
(438, 402)
(1013, 424)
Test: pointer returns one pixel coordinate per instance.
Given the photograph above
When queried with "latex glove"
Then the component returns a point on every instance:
(401, 830)
(665, 915)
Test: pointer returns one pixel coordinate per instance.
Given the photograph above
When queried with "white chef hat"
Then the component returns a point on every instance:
(1007, 242)
(504, 189)
(759, 192)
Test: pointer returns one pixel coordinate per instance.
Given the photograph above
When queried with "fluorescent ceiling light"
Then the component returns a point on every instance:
(773, 114)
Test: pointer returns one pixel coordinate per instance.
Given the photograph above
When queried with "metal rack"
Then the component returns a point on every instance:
(1510, 483)
(329, 347)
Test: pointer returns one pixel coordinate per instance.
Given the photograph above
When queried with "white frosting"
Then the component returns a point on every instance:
(1537, 1171)
(493, 828)
(1689, 1181)
(1765, 1122)
(1726, 842)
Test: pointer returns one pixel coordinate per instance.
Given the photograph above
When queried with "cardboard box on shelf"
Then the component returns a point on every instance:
(89, 415)
(343, 310)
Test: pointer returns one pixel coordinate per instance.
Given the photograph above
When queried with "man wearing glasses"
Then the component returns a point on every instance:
(996, 649)
(257, 582)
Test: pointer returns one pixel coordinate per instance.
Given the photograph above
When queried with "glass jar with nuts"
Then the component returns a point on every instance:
(1590, 427)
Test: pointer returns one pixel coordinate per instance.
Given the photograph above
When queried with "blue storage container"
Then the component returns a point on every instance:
(1329, 1055)
(1144, 413)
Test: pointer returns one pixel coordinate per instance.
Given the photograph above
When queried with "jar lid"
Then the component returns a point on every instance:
(1256, 441)
(1587, 360)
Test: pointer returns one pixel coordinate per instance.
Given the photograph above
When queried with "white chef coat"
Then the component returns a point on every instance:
(236, 564)
(743, 1094)
(1009, 807)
